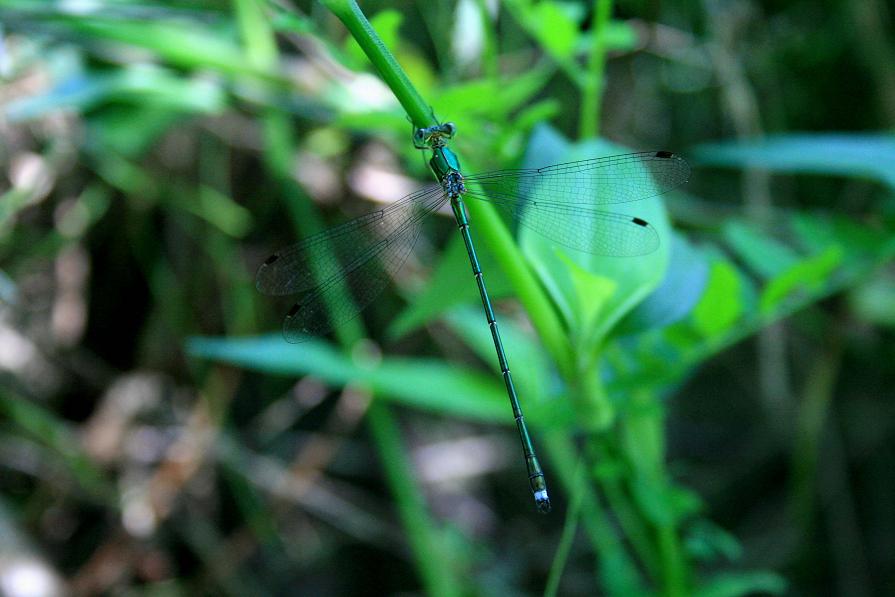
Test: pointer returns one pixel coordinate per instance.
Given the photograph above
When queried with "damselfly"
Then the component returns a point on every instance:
(363, 254)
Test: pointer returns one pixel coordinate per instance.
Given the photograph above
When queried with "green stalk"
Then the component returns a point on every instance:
(391, 72)
(811, 418)
(432, 562)
(617, 571)
(634, 527)
(596, 65)
(486, 222)
(643, 442)
(568, 532)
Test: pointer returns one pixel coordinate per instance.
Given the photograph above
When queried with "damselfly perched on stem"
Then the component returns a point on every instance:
(366, 252)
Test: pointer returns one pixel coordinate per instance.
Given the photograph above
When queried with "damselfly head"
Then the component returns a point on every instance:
(433, 136)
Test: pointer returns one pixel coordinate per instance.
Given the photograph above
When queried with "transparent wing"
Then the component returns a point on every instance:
(323, 256)
(343, 297)
(558, 201)
(597, 181)
(363, 255)
(578, 227)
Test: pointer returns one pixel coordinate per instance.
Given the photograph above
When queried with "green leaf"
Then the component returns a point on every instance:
(721, 303)
(633, 277)
(527, 361)
(708, 542)
(427, 384)
(183, 44)
(555, 29)
(809, 275)
(493, 98)
(854, 155)
(591, 295)
(617, 36)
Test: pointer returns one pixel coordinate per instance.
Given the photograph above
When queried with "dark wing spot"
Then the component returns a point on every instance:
(271, 259)
(640, 222)
(664, 154)
(293, 310)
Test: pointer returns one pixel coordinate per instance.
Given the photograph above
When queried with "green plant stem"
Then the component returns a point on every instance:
(487, 223)
(674, 574)
(568, 531)
(632, 524)
(391, 72)
(618, 573)
(432, 561)
(596, 413)
(596, 65)
(812, 415)
(643, 442)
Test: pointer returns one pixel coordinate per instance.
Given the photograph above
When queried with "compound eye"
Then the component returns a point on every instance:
(449, 129)
(419, 137)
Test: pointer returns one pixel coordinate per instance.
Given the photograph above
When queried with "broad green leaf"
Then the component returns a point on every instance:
(817, 232)
(179, 43)
(427, 384)
(856, 155)
(634, 277)
(808, 275)
(591, 295)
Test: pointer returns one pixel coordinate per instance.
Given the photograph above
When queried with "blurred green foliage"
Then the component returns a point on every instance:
(715, 416)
